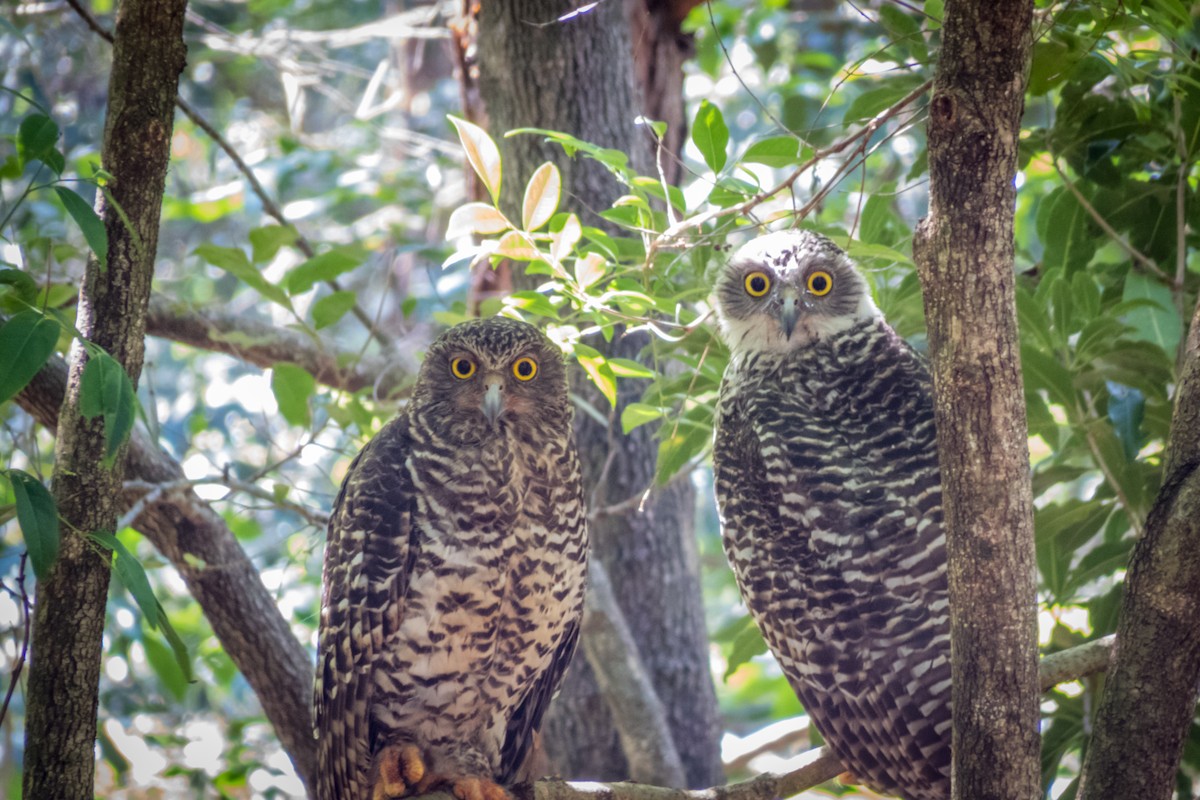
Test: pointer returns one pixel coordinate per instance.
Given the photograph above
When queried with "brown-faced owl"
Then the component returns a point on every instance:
(454, 575)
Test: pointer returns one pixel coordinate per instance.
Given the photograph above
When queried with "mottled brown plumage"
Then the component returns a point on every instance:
(454, 575)
(831, 507)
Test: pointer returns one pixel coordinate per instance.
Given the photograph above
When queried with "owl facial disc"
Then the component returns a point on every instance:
(788, 289)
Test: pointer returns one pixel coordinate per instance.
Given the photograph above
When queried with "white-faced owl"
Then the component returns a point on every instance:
(831, 507)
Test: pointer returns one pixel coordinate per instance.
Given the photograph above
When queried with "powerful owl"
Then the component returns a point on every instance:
(831, 507)
(454, 575)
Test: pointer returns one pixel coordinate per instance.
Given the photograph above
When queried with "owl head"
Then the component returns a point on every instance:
(785, 290)
(487, 376)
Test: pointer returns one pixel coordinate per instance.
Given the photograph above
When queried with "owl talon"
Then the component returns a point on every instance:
(478, 789)
(400, 770)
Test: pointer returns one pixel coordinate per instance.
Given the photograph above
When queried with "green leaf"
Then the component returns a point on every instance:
(627, 368)
(165, 665)
(106, 390)
(133, 576)
(482, 154)
(748, 643)
(265, 242)
(776, 151)
(597, 368)
(678, 449)
(36, 140)
(877, 216)
(1045, 372)
(234, 261)
(1160, 322)
(638, 414)
(293, 386)
(25, 287)
(331, 308)
(321, 267)
(1126, 409)
(541, 197)
(533, 302)
(615, 160)
(711, 135)
(88, 221)
(26, 341)
(1066, 230)
(876, 100)
(38, 517)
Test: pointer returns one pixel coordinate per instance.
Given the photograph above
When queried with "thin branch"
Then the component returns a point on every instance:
(1181, 186)
(819, 765)
(862, 135)
(155, 492)
(1140, 258)
(1076, 662)
(637, 712)
(265, 345)
(26, 613)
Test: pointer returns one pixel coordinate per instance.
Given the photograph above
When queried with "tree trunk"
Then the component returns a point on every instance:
(1150, 695)
(576, 76)
(68, 623)
(964, 250)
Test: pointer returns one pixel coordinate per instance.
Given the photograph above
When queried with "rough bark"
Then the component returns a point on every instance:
(576, 76)
(218, 573)
(68, 623)
(964, 250)
(660, 48)
(1150, 696)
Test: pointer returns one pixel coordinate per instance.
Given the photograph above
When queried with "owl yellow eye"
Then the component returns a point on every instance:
(757, 284)
(820, 282)
(462, 368)
(525, 368)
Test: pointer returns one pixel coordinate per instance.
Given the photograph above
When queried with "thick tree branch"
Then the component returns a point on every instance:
(1150, 696)
(819, 765)
(265, 345)
(964, 251)
(636, 709)
(218, 573)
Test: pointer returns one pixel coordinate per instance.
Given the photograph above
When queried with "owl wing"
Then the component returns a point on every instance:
(367, 560)
(527, 718)
(748, 504)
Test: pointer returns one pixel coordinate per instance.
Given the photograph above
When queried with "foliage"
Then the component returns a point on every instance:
(797, 116)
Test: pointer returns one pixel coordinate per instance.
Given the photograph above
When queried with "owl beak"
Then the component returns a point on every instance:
(788, 313)
(493, 399)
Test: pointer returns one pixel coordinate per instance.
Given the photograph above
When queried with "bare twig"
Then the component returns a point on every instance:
(156, 492)
(23, 599)
(862, 136)
(1181, 186)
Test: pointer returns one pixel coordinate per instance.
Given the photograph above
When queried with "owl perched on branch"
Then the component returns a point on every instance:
(454, 575)
(831, 507)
